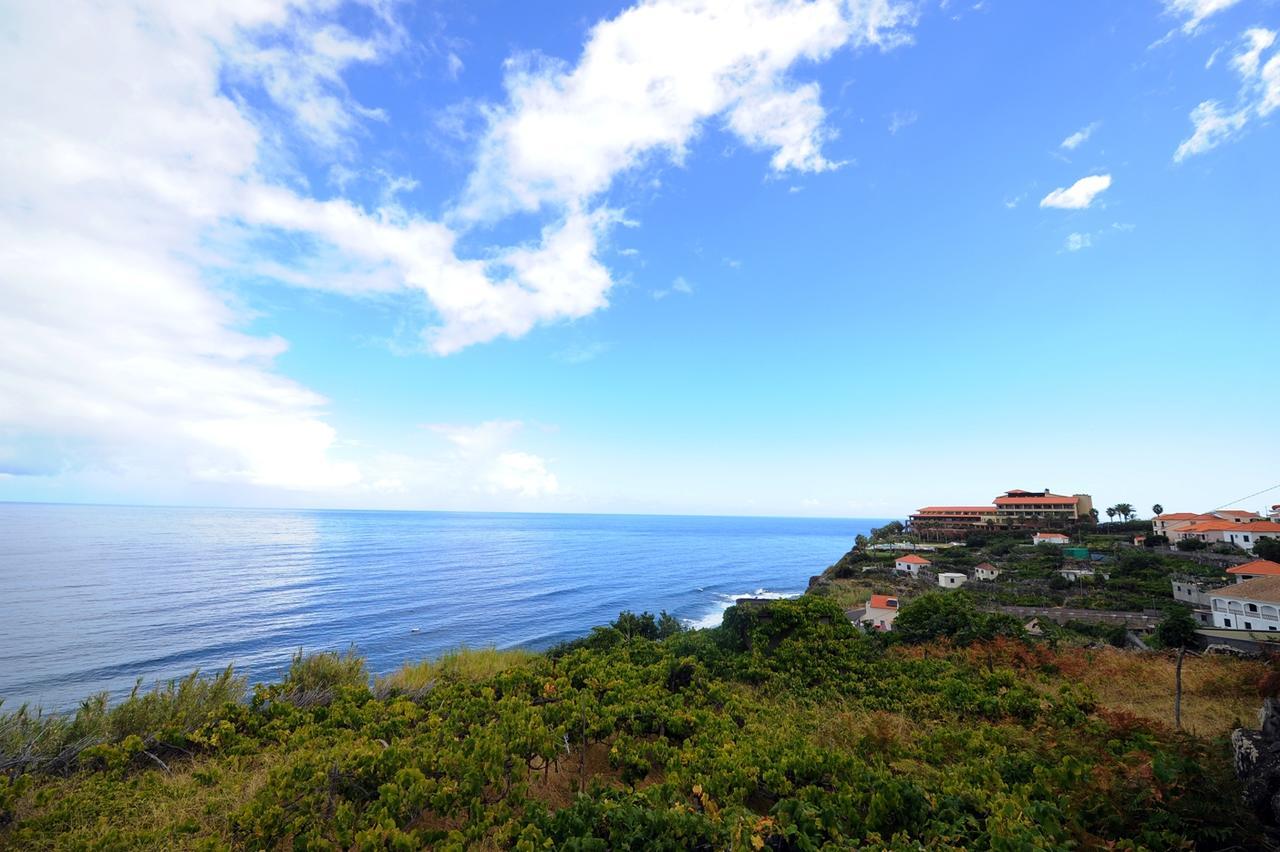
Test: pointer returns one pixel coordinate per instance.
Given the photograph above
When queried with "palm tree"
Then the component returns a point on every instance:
(1125, 510)
(1158, 510)
(1111, 513)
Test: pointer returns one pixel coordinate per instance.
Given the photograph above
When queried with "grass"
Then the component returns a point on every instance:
(1217, 693)
(464, 664)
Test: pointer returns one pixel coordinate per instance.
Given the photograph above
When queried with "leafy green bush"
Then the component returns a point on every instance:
(784, 729)
(1189, 544)
(953, 616)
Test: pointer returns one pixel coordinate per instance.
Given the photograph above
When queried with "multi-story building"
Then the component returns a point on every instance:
(1016, 509)
(1251, 605)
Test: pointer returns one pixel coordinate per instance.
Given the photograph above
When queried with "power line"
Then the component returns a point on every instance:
(1246, 497)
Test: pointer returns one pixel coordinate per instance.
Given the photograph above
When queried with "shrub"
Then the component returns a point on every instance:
(1267, 548)
(950, 616)
(1188, 544)
(325, 672)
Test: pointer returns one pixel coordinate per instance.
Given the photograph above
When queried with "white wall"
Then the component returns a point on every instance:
(1236, 614)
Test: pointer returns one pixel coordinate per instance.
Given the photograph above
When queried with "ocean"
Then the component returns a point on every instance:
(94, 597)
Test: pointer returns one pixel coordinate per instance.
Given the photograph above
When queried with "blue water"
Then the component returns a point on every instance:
(93, 597)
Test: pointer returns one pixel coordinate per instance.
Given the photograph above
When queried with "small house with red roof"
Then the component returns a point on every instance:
(1050, 538)
(911, 564)
(1255, 569)
(985, 571)
(880, 612)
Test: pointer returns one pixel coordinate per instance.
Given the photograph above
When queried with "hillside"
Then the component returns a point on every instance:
(785, 729)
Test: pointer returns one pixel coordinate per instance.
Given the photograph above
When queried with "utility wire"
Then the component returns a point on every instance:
(1246, 497)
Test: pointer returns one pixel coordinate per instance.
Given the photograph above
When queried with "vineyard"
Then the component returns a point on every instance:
(783, 729)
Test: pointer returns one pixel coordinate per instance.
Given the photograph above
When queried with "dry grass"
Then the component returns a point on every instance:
(851, 593)
(1218, 693)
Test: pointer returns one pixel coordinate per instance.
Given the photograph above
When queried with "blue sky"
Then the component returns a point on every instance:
(824, 258)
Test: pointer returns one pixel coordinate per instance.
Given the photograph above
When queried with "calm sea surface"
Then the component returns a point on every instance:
(93, 597)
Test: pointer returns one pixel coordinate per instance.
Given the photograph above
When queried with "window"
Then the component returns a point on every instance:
(1248, 625)
(1253, 607)
(1246, 538)
(1226, 622)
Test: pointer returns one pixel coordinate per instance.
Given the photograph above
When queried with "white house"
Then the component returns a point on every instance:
(1274, 514)
(985, 571)
(1251, 605)
(1050, 538)
(880, 612)
(951, 579)
(1253, 570)
(1243, 535)
(911, 564)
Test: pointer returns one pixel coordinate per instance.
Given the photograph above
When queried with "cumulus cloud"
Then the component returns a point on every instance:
(1075, 140)
(650, 79)
(483, 460)
(1079, 195)
(135, 175)
(1257, 63)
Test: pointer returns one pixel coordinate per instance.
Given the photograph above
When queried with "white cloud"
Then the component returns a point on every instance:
(679, 285)
(1258, 97)
(1075, 140)
(1076, 241)
(1079, 195)
(647, 82)
(1195, 12)
(134, 178)
(523, 474)
(899, 120)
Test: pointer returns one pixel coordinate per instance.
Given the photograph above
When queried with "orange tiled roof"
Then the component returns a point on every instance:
(1237, 513)
(913, 560)
(957, 509)
(1261, 567)
(1227, 526)
(1052, 535)
(1182, 516)
(883, 602)
(1036, 501)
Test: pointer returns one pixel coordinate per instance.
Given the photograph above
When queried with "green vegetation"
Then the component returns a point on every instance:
(1267, 548)
(785, 728)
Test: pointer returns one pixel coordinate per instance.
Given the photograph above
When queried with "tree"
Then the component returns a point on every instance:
(1267, 548)
(1157, 510)
(1111, 513)
(1190, 544)
(952, 616)
(1125, 510)
(1178, 630)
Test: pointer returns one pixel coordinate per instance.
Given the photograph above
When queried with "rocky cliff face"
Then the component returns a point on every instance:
(1257, 758)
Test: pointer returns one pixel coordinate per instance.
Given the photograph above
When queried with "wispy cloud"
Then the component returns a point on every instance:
(679, 285)
(1075, 140)
(902, 119)
(1257, 63)
(1196, 12)
(1076, 241)
(1079, 195)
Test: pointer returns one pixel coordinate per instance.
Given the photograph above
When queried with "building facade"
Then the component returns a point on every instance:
(1251, 605)
(911, 564)
(1013, 510)
(951, 580)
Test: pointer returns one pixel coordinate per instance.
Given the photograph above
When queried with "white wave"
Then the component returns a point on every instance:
(715, 616)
